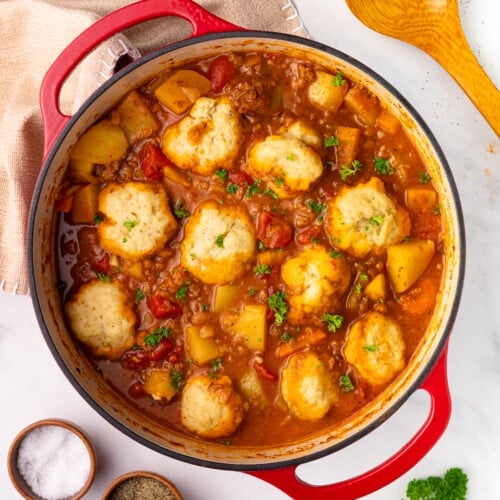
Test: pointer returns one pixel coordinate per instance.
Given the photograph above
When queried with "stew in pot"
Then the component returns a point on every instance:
(250, 247)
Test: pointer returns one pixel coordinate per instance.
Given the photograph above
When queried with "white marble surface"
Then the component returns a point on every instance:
(33, 387)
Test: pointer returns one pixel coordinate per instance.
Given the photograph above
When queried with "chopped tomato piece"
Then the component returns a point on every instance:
(220, 72)
(240, 178)
(307, 236)
(135, 360)
(101, 264)
(163, 307)
(153, 161)
(264, 372)
(273, 231)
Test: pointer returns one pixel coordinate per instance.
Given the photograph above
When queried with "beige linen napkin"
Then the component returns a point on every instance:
(32, 34)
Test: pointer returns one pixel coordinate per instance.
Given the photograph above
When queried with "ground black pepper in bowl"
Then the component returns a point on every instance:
(140, 486)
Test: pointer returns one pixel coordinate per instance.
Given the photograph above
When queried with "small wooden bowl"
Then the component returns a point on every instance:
(141, 475)
(21, 484)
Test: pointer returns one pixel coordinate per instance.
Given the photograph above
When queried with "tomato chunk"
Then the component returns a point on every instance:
(101, 264)
(153, 161)
(163, 307)
(264, 372)
(162, 350)
(240, 178)
(273, 231)
(220, 72)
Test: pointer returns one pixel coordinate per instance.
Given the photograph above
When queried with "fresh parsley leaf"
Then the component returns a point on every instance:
(291, 157)
(215, 367)
(262, 270)
(346, 383)
(279, 181)
(277, 303)
(103, 277)
(453, 486)
(348, 170)
(182, 291)
(129, 224)
(333, 321)
(139, 294)
(176, 379)
(371, 348)
(98, 218)
(338, 80)
(222, 174)
(286, 337)
(252, 189)
(335, 254)
(271, 193)
(331, 141)
(232, 188)
(374, 221)
(180, 211)
(219, 241)
(155, 337)
(252, 291)
(424, 178)
(382, 166)
(315, 206)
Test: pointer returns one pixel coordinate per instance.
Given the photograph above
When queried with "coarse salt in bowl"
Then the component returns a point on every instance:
(51, 459)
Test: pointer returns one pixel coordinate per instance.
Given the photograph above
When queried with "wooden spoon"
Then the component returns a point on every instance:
(434, 26)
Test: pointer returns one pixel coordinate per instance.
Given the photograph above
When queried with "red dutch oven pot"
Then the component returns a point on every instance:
(277, 465)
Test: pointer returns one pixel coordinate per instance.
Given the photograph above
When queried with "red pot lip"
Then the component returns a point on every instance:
(460, 243)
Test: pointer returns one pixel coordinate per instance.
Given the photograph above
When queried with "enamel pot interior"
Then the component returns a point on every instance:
(121, 413)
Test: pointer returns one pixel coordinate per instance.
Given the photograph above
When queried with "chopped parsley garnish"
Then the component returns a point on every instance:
(205, 306)
(345, 383)
(333, 321)
(424, 178)
(232, 188)
(103, 276)
(286, 337)
(335, 254)
(180, 211)
(279, 181)
(382, 166)
(177, 379)
(262, 270)
(338, 80)
(291, 157)
(348, 170)
(363, 277)
(215, 367)
(374, 221)
(98, 218)
(252, 189)
(129, 224)
(453, 486)
(155, 337)
(182, 291)
(277, 303)
(252, 291)
(437, 210)
(219, 241)
(315, 206)
(331, 141)
(261, 246)
(222, 174)
(371, 348)
(139, 294)
(271, 193)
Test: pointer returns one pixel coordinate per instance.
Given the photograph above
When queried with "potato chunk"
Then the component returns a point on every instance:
(349, 142)
(365, 105)
(325, 93)
(135, 117)
(182, 89)
(102, 143)
(406, 262)
(421, 198)
(159, 385)
(250, 325)
(201, 349)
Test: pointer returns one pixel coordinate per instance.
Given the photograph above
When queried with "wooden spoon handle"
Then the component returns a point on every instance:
(455, 55)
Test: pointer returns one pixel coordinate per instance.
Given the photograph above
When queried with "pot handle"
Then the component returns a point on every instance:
(202, 22)
(436, 384)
